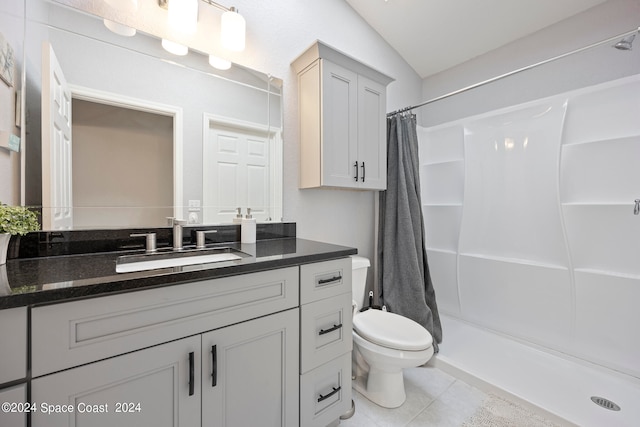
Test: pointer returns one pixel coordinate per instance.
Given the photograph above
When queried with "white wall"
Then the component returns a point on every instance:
(280, 30)
(587, 68)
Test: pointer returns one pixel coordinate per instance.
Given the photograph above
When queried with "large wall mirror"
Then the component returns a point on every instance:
(121, 133)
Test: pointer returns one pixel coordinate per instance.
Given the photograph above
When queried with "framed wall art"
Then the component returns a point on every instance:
(7, 63)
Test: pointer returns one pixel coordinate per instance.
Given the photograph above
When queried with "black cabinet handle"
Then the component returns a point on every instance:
(214, 366)
(191, 374)
(363, 171)
(326, 331)
(330, 280)
(335, 390)
(355, 165)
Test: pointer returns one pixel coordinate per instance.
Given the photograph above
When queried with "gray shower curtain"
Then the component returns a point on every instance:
(403, 272)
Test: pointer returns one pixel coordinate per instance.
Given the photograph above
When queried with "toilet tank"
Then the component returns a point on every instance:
(359, 266)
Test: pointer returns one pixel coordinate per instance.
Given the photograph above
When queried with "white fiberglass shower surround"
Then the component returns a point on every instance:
(533, 232)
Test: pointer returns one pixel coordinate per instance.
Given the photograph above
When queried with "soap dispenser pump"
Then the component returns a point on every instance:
(248, 232)
(238, 218)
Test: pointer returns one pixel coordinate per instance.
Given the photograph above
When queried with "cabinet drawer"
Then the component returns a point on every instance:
(324, 279)
(13, 351)
(325, 392)
(70, 334)
(325, 328)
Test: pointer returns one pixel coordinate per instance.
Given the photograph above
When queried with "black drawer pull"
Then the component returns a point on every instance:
(355, 165)
(363, 171)
(326, 331)
(330, 280)
(335, 390)
(214, 366)
(191, 374)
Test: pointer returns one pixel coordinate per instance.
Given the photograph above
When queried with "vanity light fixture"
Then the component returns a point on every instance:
(125, 7)
(183, 18)
(232, 30)
(183, 15)
(232, 24)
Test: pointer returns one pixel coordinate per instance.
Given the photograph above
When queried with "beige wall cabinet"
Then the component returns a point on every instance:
(342, 109)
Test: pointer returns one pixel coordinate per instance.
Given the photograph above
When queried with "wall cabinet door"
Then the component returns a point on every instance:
(339, 126)
(250, 373)
(372, 134)
(158, 386)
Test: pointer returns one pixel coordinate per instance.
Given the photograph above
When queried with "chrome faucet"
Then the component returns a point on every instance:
(177, 233)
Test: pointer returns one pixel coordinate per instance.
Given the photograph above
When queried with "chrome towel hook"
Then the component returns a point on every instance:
(636, 210)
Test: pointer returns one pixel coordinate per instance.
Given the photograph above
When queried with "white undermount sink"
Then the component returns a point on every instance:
(152, 261)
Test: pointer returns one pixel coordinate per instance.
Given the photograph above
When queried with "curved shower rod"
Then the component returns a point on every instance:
(511, 73)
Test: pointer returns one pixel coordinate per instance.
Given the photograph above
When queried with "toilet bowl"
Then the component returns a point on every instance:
(384, 344)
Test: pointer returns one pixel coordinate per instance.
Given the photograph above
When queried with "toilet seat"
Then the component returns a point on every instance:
(391, 330)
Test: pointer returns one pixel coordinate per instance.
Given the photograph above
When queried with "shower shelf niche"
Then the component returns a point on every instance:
(519, 261)
(608, 273)
(442, 251)
(444, 162)
(601, 171)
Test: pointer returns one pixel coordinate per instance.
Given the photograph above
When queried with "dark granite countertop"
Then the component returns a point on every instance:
(44, 280)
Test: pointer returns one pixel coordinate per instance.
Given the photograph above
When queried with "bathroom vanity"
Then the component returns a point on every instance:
(264, 340)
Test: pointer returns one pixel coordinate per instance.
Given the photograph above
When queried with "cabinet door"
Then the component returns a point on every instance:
(13, 351)
(15, 414)
(158, 386)
(372, 134)
(339, 126)
(250, 373)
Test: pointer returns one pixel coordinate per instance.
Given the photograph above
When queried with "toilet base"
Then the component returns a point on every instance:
(385, 389)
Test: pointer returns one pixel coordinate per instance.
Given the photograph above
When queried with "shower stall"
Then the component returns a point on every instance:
(532, 217)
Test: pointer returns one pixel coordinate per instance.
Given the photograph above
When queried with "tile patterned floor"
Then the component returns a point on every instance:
(434, 398)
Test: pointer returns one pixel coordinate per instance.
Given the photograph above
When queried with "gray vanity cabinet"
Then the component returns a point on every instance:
(270, 348)
(148, 354)
(241, 375)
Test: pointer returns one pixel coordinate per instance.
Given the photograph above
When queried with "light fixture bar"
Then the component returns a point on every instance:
(219, 6)
(165, 4)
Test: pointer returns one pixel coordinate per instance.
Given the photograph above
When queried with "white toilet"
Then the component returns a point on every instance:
(384, 344)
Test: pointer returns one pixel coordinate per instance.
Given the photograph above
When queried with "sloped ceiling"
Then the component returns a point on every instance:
(434, 35)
